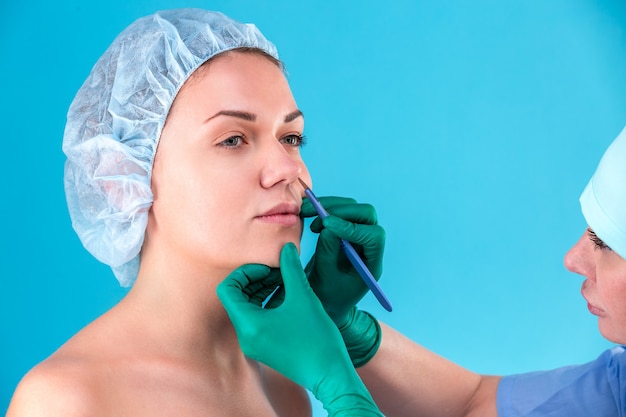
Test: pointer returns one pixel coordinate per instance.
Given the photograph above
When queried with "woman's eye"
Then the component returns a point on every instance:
(232, 142)
(294, 140)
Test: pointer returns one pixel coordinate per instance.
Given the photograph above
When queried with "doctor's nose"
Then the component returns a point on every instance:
(579, 259)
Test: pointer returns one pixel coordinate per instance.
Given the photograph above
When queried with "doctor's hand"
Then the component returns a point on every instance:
(333, 278)
(296, 337)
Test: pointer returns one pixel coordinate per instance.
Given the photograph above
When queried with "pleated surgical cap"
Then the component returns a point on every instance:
(115, 121)
(603, 201)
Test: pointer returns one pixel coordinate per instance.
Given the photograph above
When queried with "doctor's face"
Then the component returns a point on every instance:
(604, 288)
(225, 178)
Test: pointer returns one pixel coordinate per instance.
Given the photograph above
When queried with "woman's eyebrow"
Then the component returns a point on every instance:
(293, 115)
(250, 117)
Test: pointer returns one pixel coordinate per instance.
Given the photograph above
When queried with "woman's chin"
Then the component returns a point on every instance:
(271, 256)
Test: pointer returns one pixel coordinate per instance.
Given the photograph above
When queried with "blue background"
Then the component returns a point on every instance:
(472, 126)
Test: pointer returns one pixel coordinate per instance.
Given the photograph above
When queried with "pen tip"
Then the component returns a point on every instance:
(306, 187)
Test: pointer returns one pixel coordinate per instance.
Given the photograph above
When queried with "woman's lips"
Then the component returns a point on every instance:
(286, 214)
(286, 219)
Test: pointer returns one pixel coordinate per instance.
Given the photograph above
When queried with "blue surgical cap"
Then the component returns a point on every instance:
(115, 121)
(603, 201)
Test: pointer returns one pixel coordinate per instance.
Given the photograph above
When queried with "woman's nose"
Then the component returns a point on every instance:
(579, 258)
(279, 165)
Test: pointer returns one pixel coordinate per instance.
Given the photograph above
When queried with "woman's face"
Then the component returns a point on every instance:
(225, 177)
(605, 286)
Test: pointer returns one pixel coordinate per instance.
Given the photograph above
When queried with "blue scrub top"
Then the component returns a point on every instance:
(595, 389)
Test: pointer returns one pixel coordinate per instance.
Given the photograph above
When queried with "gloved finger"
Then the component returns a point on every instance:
(369, 241)
(231, 291)
(370, 238)
(260, 287)
(328, 245)
(244, 276)
(355, 213)
(307, 209)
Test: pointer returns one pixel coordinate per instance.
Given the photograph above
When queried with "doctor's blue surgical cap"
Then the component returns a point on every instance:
(603, 201)
(115, 121)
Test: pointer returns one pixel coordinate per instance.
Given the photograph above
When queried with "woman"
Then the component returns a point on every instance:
(183, 151)
(407, 380)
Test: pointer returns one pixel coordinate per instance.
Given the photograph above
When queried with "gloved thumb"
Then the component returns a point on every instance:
(294, 279)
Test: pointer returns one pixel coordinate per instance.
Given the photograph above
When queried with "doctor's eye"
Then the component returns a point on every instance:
(294, 140)
(598, 243)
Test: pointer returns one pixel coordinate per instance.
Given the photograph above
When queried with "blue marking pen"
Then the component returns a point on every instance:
(351, 253)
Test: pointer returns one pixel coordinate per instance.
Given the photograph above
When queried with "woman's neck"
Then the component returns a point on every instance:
(176, 305)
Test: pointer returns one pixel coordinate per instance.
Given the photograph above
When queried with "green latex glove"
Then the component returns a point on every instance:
(296, 338)
(333, 278)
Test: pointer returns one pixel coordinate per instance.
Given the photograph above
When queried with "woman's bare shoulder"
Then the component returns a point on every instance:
(60, 385)
(67, 383)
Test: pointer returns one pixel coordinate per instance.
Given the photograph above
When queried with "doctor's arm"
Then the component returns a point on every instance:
(406, 379)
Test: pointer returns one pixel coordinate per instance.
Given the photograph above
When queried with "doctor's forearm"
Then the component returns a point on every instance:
(406, 379)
